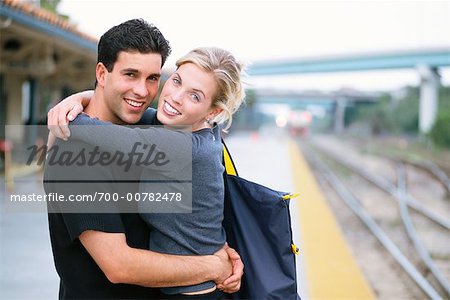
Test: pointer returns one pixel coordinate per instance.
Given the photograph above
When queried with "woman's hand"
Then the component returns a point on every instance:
(233, 283)
(59, 116)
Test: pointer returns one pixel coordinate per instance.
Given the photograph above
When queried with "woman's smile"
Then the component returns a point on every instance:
(170, 110)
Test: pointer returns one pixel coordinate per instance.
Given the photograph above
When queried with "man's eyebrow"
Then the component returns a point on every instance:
(158, 75)
(130, 70)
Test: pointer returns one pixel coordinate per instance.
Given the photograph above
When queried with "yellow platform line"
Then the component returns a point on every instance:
(331, 271)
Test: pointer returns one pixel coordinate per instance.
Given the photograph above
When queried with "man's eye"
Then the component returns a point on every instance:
(154, 78)
(130, 74)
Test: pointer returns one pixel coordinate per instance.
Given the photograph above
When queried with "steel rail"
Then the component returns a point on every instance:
(411, 231)
(356, 207)
(433, 169)
(391, 189)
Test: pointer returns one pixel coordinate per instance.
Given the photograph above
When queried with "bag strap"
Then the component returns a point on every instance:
(230, 167)
(228, 218)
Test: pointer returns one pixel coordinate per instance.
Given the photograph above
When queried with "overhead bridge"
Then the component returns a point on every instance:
(426, 62)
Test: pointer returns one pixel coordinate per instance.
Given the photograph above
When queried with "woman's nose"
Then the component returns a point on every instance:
(177, 95)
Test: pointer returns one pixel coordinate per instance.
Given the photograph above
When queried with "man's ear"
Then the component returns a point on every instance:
(100, 73)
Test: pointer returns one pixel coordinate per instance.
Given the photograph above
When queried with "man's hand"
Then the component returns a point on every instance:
(232, 284)
(59, 116)
(223, 266)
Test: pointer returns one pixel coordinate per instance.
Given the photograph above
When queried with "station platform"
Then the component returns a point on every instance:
(325, 266)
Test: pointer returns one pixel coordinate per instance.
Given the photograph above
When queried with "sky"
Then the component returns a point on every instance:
(270, 30)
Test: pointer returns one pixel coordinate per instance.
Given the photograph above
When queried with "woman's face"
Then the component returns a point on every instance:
(186, 98)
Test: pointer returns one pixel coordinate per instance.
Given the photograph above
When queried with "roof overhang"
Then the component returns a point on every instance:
(18, 17)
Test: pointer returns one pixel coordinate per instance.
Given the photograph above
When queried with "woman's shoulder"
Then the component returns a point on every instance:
(207, 139)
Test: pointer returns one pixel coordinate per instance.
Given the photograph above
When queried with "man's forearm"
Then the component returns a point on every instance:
(123, 264)
(153, 269)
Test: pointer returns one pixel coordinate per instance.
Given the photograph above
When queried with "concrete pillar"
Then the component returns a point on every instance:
(31, 132)
(339, 114)
(429, 91)
(13, 92)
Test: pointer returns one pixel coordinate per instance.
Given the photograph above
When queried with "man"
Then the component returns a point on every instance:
(101, 255)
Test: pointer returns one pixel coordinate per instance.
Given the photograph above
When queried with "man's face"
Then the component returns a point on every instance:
(131, 86)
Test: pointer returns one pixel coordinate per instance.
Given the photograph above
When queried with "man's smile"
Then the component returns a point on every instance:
(134, 103)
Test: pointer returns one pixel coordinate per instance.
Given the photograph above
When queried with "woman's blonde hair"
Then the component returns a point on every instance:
(227, 72)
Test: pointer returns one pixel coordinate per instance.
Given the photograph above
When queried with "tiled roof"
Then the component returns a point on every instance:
(45, 16)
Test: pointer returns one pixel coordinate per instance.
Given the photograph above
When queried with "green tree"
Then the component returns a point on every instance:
(405, 113)
(392, 115)
(50, 5)
(440, 132)
(378, 116)
(401, 115)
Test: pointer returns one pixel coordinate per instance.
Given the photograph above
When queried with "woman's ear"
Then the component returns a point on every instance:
(214, 112)
(100, 73)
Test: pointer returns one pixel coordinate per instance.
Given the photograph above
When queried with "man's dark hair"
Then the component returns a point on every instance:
(132, 35)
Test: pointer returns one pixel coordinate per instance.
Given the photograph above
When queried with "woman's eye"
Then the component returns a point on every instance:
(195, 97)
(176, 81)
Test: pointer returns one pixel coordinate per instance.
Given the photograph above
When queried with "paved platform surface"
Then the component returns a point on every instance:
(326, 269)
(26, 262)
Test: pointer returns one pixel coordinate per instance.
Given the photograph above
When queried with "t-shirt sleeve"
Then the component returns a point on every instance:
(77, 223)
(172, 148)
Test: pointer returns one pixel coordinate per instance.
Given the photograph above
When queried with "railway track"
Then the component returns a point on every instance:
(421, 268)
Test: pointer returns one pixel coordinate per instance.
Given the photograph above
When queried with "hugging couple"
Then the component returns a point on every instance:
(142, 254)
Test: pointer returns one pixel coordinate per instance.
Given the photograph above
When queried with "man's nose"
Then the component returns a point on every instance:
(140, 89)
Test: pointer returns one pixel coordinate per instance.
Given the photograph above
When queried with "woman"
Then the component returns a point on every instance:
(203, 93)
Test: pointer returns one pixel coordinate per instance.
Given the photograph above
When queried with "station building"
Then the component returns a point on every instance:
(43, 58)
